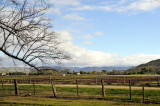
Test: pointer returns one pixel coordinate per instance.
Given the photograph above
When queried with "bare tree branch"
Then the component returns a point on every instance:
(26, 33)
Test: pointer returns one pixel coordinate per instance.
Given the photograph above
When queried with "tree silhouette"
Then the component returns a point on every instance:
(26, 33)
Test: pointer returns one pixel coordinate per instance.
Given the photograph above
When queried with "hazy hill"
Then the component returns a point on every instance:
(98, 69)
(87, 69)
(13, 69)
(150, 67)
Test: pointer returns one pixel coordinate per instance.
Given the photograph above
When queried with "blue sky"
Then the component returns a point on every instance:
(108, 32)
(120, 28)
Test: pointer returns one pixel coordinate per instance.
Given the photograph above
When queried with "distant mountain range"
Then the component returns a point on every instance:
(87, 69)
(98, 69)
(154, 65)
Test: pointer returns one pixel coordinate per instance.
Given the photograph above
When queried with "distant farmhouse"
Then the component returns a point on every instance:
(3, 73)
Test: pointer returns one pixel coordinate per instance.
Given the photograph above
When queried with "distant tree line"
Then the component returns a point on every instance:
(144, 70)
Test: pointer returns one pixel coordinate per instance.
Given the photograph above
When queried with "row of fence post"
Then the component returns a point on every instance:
(16, 87)
(96, 80)
(2, 86)
(130, 92)
(53, 88)
(55, 93)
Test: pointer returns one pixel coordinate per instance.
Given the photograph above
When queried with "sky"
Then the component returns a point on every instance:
(107, 32)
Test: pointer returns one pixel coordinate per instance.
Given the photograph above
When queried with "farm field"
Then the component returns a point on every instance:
(67, 96)
(23, 101)
(80, 90)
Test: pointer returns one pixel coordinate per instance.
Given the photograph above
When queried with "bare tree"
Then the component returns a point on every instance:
(26, 33)
(1, 60)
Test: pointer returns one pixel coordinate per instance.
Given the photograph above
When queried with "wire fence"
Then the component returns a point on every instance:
(122, 88)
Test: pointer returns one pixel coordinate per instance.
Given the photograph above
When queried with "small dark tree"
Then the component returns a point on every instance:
(83, 72)
(104, 71)
(66, 71)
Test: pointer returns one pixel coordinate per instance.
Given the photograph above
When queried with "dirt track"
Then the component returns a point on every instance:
(110, 87)
(97, 86)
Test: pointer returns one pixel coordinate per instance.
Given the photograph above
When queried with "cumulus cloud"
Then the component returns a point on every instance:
(58, 6)
(73, 17)
(140, 5)
(121, 6)
(88, 43)
(82, 57)
(9, 62)
(54, 11)
(67, 36)
(65, 2)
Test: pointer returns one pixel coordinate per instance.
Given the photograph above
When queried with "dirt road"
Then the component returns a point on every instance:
(97, 86)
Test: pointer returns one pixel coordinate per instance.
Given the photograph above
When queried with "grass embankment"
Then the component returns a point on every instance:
(39, 101)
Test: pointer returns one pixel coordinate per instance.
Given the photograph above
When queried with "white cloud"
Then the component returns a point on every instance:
(84, 7)
(140, 5)
(122, 6)
(65, 2)
(82, 57)
(73, 17)
(88, 43)
(138, 59)
(67, 36)
(58, 6)
(54, 11)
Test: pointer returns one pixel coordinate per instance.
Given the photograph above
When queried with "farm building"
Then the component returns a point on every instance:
(78, 74)
(3, 74)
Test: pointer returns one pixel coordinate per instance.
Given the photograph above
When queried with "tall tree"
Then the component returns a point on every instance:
(26, 33)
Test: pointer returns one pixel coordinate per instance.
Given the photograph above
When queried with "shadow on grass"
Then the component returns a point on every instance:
(19, 104)
(122, 100)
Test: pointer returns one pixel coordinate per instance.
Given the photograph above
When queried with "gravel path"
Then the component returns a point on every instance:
(96, 86)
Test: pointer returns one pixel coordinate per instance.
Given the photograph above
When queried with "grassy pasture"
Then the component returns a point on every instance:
(87, 96)
(89, 93)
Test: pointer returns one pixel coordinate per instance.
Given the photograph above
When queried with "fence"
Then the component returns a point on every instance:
(98, 88)
(152, 81)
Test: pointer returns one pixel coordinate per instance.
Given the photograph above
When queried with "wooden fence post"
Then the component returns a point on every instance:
(124, 80)
(70, 80)
(54, 89)
(2, 85)
(130, 89)
(29, 79)
(143, 93)
(77, 88)
(16, 87)
(11, 80)
(96, 81)
(103, 89)
(158, 81)
(34, 89)
(50, 79)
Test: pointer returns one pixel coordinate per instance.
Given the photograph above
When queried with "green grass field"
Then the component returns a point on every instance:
(40, 101)
(68, 96)
(90, 94)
